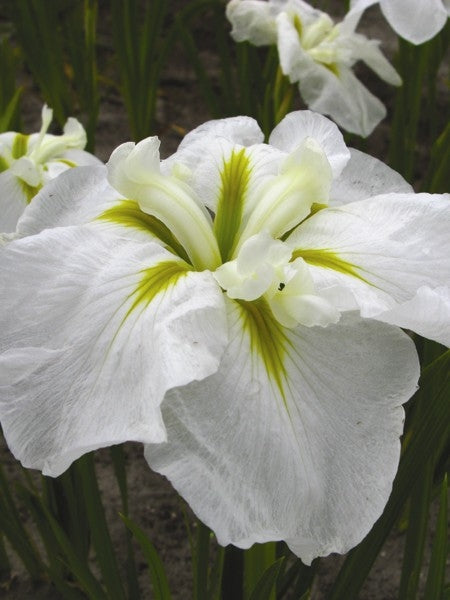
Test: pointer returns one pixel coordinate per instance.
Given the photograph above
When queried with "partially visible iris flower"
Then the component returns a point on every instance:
(414, 20)
(236, 307)
(27, 162)
(319, 55)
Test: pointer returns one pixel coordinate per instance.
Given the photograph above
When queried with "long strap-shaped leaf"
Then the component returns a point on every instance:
(265, 587)
(160, 585)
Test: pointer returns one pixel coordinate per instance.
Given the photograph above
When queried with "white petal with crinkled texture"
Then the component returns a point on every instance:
(81, 158)
(369, 52)
(365, 176)
(289, 134)
(428, 314)
(13, 201)
(241, 130)
(224, 149)
(294, 61)
(394, 244)
(70, 159)
(253, 21)
(76, 197)
(415, 20)
(344, 98)
(95, 329)
(315, 467)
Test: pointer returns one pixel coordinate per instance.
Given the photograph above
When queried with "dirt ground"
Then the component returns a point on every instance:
(154, 506)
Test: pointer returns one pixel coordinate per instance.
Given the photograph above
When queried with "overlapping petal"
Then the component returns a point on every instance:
(234, 145)
(296, 436)
(365, 176)
(427, 313)
(414, 20)
(13, 201)
(375, 254)
(291, 132)
(95, 330)
(74, 198)
(252, 20)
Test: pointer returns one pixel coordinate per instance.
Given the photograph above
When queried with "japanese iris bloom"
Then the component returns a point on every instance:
(414, 20)
(27, 162)
(227, 306)
(318, 55)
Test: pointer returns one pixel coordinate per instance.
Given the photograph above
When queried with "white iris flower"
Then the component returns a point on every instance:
(414, 20)
(225, 306)
(319, 55)
(28, 162)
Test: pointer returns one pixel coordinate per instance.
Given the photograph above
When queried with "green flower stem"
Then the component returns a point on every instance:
(201, 562)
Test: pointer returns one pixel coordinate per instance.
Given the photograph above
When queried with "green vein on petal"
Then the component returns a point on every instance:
(3, 164)
(328, 260)
(268, 340)
(235, 176)
(20, 145)
(156, 280)
(66, 161)
(29, 191)
(128, 214)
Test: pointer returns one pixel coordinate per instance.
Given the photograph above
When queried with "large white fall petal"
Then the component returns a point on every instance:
(279, 445)
(377, 253)
(86, 362)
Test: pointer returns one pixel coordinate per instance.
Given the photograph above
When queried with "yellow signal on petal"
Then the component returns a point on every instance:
(328, 260)
(235, 176)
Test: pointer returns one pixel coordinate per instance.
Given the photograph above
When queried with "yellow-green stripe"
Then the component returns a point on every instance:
(20, 145)
(235, 176)
(268, 340)
(128, 214)
(328, 260)
(156, 280)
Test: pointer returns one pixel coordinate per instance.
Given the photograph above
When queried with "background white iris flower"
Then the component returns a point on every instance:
(130, 313)
(27, 162)
(319, 55)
